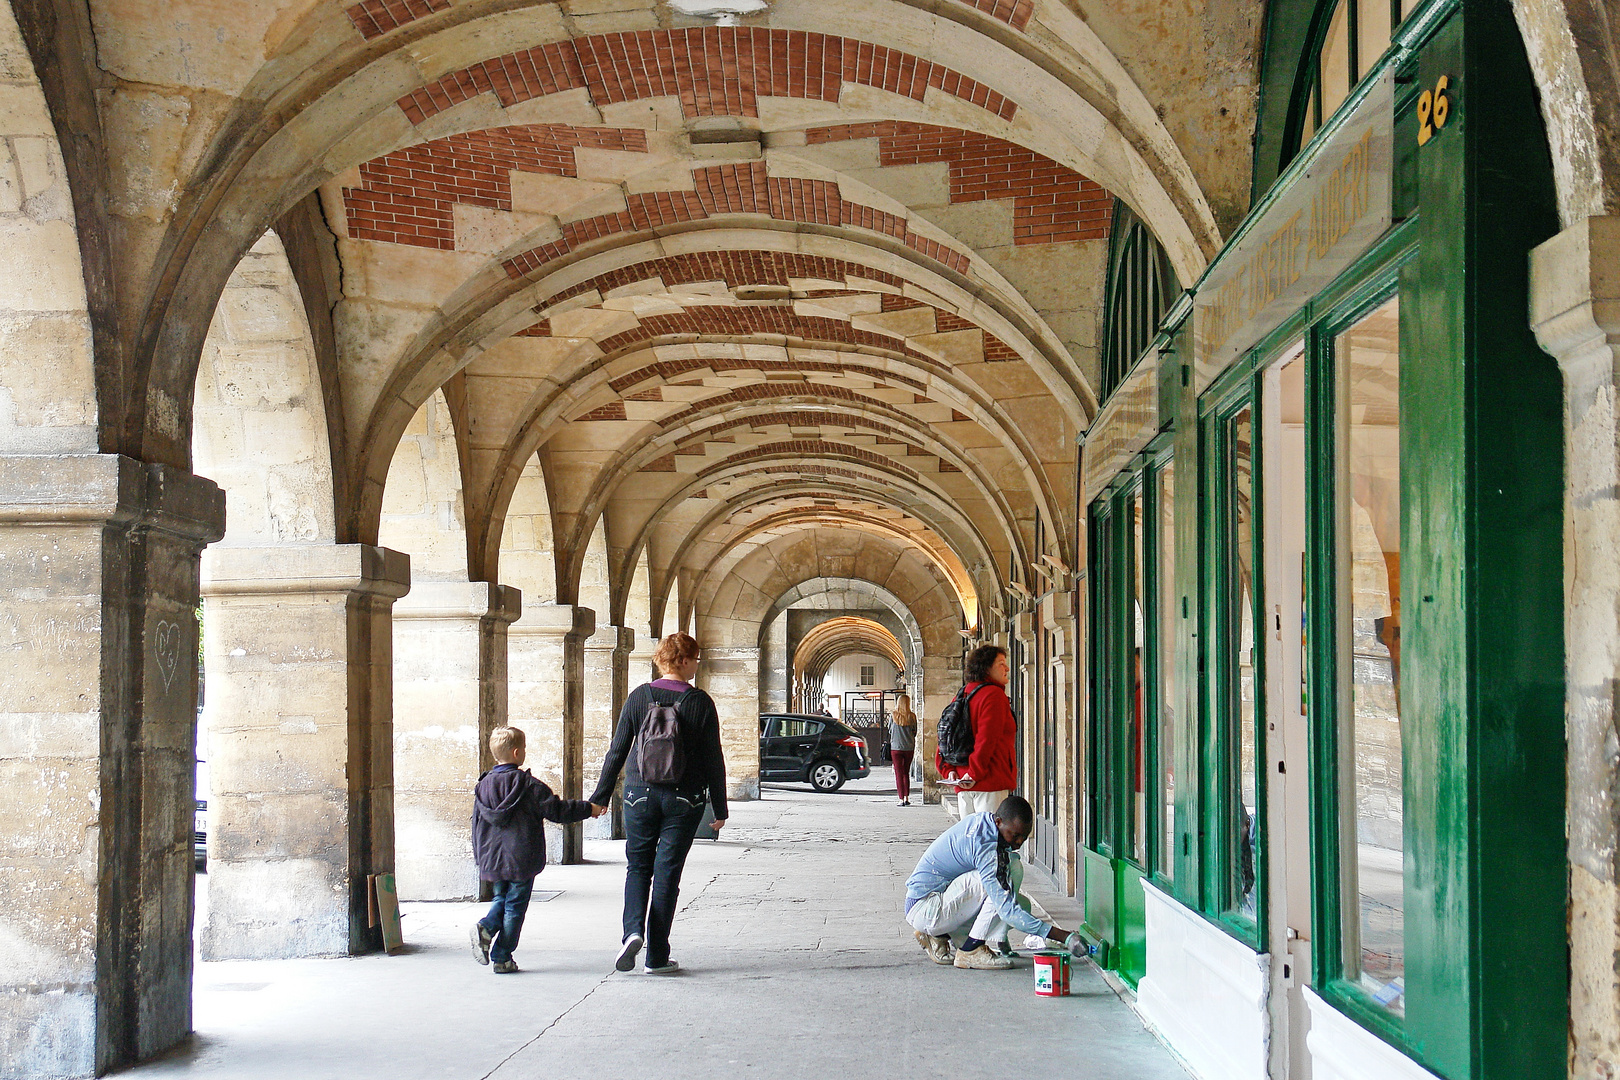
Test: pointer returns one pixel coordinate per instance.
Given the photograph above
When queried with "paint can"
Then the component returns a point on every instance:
(1052, 973)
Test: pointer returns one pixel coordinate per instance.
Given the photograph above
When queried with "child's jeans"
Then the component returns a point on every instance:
(505, 917)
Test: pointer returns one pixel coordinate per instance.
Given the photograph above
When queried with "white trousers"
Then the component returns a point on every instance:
(962, 906)
(973, 802)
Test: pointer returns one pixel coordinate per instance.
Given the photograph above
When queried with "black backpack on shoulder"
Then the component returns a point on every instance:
(660, 747)
(956, 729)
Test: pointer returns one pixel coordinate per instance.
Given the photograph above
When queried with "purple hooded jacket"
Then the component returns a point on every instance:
(510, 808)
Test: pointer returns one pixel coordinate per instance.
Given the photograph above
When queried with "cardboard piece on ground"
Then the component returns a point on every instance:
(388, 911)
(371, 900)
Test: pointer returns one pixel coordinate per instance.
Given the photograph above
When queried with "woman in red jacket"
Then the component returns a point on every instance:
(991, 773)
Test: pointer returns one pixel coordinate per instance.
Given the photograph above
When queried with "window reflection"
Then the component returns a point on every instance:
(1372, 845)
(1245, 826)
(1169, 687)
(1136, 826)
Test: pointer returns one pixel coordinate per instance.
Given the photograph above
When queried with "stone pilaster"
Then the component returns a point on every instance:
(546, 673)
(607, 667)
(942, 678)
(98, 724)
(731, 677)
(450, 691)
(1575, 309)
(298, 645)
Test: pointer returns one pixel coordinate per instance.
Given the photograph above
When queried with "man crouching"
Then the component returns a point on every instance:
(964, 882)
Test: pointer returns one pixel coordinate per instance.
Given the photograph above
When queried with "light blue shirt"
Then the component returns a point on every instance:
(970, 846)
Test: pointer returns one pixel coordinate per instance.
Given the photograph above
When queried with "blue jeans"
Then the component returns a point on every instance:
(659, 825)
(504, 919)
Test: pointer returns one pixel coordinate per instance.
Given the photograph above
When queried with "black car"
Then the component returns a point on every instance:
(814, 750)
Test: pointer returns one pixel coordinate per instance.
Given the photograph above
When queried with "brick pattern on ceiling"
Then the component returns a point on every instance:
(734, 189)
(669, 370)
(821, 448)
(374, 18)
(752, 322)
(762, 268)
(734, 267)
(1014, 13)
(713, 70)
(406, 197)
(1051, 202)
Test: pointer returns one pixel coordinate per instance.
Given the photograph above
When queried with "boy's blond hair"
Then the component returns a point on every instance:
(504, 743)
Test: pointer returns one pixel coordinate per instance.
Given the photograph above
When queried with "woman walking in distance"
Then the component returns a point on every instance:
(902, 746)
(668, 744)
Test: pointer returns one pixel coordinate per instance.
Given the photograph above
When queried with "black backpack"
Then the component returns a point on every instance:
(956, 729)
(660, 746)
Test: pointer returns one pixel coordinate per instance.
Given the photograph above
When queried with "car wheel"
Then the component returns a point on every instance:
(826, 776)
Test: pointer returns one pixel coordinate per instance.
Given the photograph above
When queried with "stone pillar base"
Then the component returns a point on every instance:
(98, 726)
(450, 691)
(299, 650)
(546, 650)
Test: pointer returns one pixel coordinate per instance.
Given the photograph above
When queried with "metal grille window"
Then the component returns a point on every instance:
(1140, 288)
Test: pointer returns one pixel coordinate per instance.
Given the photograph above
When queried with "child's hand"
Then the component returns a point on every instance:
(598, 811)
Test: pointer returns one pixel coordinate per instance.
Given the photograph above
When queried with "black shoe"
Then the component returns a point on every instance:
(627, 953)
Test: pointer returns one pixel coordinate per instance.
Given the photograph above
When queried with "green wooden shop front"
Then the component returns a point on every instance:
(1325, 700)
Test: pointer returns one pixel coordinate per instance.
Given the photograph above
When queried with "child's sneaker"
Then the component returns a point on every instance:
(506, 967)
(668, 967)
(481, 940)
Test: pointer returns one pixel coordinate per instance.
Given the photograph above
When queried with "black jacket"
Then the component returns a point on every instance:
(509, 835)
(700, 728)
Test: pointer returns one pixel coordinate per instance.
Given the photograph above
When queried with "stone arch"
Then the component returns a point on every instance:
(423, 503)
(735, 609)
(260, 426)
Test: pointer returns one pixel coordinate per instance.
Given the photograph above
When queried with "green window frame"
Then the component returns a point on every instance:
(1125, 821)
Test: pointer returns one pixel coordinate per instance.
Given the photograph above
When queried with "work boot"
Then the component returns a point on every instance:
(937, 948)
(981, 959)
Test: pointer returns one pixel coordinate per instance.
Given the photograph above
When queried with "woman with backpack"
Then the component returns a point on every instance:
(990, 772)
(668, 744)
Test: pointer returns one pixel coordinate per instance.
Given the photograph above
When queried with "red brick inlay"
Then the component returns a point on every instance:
(734, 189)
(734, 267)
(1051, 202)
(714, 70)
(751, 322)
(821, 448)
(665, 370)
(1014, 13)
(405, 197)
(374, 18)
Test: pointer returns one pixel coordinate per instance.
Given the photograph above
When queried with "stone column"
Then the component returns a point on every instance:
(776, 668)
(607, 667)
(731, 676)
(546, 673)
(1575, 309)
(299, 652)
(1060, 617)
(98, 727)
(450, 691)
(942, 678)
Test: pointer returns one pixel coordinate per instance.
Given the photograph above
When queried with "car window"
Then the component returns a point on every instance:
(793, 728)
(767, 727)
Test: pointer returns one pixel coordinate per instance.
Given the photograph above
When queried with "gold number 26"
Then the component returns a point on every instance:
(1434, 109)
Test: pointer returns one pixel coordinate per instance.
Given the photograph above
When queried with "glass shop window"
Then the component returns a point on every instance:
(1242, 744)
(1135, 758)
(1371, 841)
(1358, 33)
(1169, 685)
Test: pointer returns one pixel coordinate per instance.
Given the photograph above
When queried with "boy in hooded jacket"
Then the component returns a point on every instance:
(510, 808)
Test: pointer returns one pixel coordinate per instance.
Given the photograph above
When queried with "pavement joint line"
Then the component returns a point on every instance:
(499, 1065)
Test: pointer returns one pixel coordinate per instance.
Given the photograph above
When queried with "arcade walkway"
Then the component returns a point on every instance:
(798, 966)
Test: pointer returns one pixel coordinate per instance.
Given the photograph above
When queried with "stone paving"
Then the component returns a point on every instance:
(797, 964)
